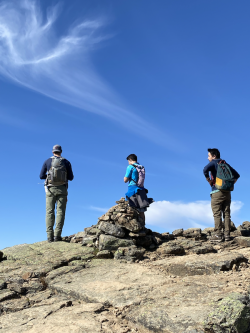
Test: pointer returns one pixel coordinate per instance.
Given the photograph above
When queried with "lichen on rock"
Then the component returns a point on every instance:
(231, 314)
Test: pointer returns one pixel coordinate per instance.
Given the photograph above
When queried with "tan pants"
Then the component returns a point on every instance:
(55, 196)
(220, 203)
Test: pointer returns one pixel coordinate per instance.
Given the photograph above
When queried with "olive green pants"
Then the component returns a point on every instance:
(55, 195)
(220, 203)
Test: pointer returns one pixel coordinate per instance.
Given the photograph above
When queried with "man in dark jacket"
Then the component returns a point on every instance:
(57, 171)
(220, 200)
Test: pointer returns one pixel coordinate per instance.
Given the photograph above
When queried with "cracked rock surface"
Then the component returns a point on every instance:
(108, 295)
(120, 277)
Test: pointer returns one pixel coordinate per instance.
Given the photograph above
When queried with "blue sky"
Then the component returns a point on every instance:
(164, 80)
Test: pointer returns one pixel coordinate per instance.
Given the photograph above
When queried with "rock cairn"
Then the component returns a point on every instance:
(120, 233)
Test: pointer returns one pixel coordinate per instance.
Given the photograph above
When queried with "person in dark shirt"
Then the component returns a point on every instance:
(220, 200)
(56, 188)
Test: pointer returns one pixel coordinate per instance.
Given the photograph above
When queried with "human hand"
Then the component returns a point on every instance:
(211, 182)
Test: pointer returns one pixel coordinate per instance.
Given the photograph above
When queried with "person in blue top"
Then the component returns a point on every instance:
(136, 195)
(131, 175)
(220, 200)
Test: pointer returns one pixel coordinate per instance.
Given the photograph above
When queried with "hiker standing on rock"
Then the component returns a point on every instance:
(137, 194)
(56, 171)
(222, 178)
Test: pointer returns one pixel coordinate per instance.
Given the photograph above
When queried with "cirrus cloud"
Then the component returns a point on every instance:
(36, 55)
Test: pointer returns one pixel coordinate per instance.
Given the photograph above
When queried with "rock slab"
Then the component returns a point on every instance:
(204, 264)
(112, 229)
(111, 243)
(243, 241)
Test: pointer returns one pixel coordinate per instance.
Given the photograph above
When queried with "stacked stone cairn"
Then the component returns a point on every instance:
(121, 234)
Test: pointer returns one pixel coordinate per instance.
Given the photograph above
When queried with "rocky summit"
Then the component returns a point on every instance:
(119, 276)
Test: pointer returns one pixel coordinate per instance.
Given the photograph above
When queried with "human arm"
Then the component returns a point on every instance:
(70, 175)
(43, 173)
(128, 174)
(209, 168)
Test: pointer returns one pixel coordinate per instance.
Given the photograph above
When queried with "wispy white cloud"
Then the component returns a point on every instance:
(33, 54)
(175, 215)
(99, 209)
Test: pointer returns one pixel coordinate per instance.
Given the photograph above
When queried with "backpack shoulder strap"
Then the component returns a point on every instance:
(134, 165)
(52, 158)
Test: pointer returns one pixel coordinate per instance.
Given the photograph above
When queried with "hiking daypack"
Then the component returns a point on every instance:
(224, 177)
(57, 174)
(141, 175)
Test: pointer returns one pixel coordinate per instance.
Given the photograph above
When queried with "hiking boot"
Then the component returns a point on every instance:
(57, 239)
(216, 238)
(50, 240)
(227, 238)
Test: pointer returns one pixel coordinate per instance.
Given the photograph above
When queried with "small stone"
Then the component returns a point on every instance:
(246, 225)
(234, 268)
(111, 229)
(171, 249)
(243, 241)
(131, 253)
(104, 255)
(80, 234)
(177, 232)
(208, 231)
(192, 232)
(141, 233)
(166, 236)
(27, 275)
(131, 225)
(88, 240)
(105, 218)
(111, 243)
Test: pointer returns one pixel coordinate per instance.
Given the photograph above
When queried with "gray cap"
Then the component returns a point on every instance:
(57, 148)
